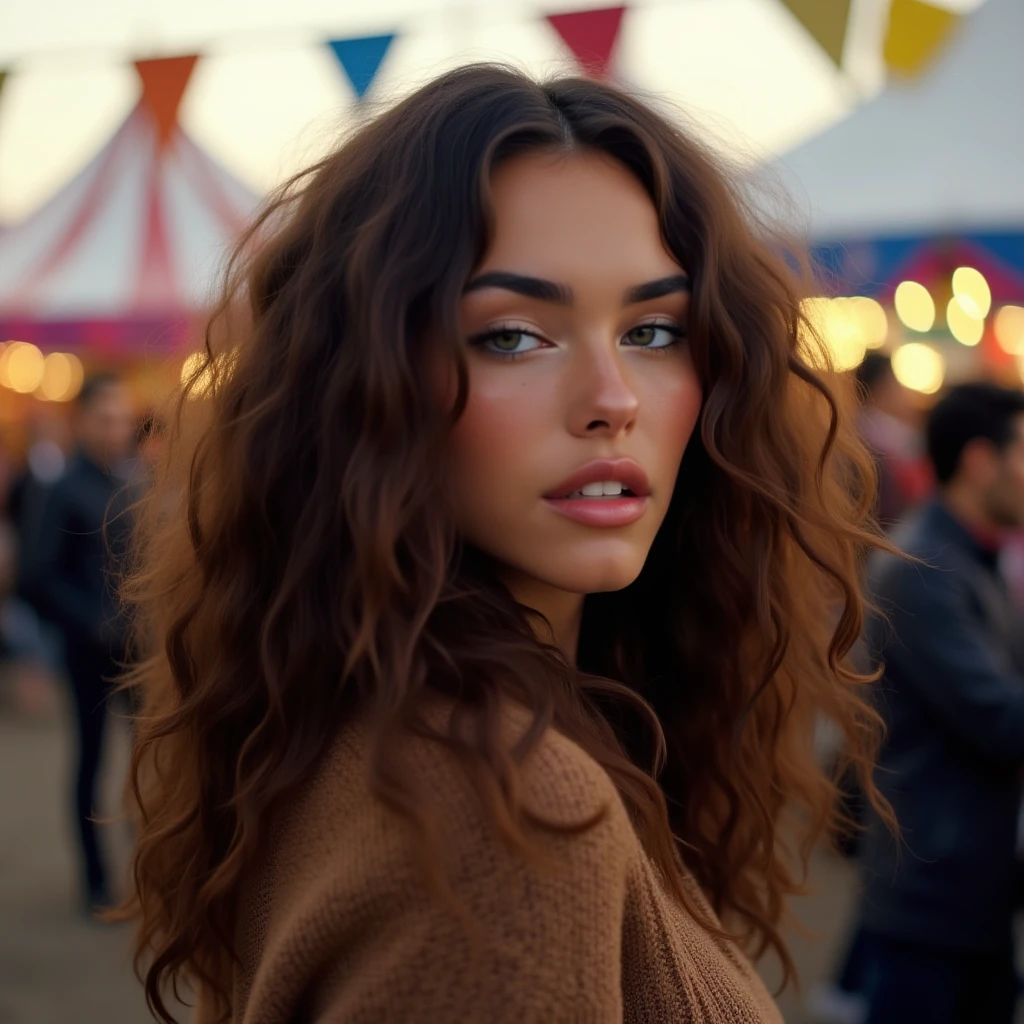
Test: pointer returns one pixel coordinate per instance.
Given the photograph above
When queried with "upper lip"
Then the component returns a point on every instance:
(627, 472)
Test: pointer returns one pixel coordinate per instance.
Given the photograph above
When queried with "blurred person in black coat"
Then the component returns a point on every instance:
(71, 575)
(938, 905)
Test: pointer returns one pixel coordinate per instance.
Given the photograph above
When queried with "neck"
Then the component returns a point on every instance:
(559, 612)
(966, 507)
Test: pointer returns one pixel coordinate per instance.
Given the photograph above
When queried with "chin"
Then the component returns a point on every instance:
(588, 577)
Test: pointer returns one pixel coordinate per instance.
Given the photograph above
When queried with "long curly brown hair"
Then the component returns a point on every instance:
(298, 561)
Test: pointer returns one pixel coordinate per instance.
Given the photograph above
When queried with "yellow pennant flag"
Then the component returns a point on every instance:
(825, 20)
(916, 31)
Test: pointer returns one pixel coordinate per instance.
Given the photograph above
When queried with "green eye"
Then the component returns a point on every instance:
(653, 336)
(507, 341)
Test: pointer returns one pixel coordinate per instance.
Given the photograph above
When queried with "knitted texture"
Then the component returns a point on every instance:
(337, 926)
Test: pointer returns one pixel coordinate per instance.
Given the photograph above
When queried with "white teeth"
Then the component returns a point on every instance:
(599, 489)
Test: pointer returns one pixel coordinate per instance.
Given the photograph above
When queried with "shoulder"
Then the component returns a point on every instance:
(561, 781)
(340, 825)
(930, 564)
(359, 914)
(557, 780)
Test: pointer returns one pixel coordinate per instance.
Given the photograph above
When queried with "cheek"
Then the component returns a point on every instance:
(674, 402)
(491, 444)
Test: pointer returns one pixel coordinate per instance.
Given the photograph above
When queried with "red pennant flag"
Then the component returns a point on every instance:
(163, 85)
(591, 36)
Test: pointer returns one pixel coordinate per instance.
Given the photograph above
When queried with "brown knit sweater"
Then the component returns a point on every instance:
(338, 927)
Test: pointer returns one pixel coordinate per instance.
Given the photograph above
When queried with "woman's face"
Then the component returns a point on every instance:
(582, 392)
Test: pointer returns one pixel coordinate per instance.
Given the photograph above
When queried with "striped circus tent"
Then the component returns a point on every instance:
(123, 257)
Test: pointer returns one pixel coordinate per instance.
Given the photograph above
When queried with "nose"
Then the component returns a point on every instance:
(602, 400)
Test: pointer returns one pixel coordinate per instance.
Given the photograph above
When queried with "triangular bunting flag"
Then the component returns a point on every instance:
(826, 21)
(361, 59)
(591, 35)
(163, 84)
(916, 31)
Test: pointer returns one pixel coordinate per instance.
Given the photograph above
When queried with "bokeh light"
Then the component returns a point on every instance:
(196, 364)
(1009, 329)
(967, 329)
(6, 350)
(62, 377)
(21, 367)
(209, 376)
(971, 291)
(915, 306)
(839, 327)
(919, 367)
(872, 319)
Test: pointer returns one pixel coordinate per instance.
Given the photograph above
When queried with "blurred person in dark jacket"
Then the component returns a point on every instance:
(887, 423)
(71, 574)
(887, 426)
(938, 905)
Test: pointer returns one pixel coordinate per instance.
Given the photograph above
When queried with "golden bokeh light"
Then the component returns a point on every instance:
(872, 319)
(201, 384)
(838, 327)
(209, 376)
(6, 350)
(62, 377)
(919, 367)
(915, 306)
(21, 367)
(1009, 329)
(965, 328)
(972, 293)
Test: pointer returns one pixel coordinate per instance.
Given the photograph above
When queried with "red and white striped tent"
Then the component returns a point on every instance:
(127, 253)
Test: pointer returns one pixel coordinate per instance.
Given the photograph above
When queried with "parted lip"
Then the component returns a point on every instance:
(629, 473)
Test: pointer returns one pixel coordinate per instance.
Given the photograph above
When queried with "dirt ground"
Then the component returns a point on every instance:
(58, 968)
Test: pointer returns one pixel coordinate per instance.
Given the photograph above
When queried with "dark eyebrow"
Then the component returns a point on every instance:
(531, 287)
(550, 291)
(657, 289)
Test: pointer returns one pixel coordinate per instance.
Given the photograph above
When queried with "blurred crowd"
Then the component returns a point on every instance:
(933, 932)
(66, 509)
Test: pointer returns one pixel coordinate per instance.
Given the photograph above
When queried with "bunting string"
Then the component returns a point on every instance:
(916, 31)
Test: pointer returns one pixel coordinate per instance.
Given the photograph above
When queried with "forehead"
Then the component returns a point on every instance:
(574, 210)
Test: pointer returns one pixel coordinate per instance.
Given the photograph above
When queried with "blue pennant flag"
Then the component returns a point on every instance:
(361, 59)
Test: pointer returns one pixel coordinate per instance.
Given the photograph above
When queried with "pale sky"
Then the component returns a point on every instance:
(269, 97)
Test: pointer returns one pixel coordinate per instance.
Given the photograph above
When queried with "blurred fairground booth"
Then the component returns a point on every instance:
(898, 122)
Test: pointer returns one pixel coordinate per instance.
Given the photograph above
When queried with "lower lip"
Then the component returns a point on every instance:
(600, 511)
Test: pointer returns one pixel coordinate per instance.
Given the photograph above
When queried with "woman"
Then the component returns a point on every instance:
(514, 561)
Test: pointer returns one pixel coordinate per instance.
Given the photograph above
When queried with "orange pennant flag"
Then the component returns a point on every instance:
(163, 84)
(916, 32)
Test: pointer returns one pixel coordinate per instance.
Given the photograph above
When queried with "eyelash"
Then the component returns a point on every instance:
(480, 340)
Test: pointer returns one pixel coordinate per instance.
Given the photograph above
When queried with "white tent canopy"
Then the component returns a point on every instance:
(941, 153)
